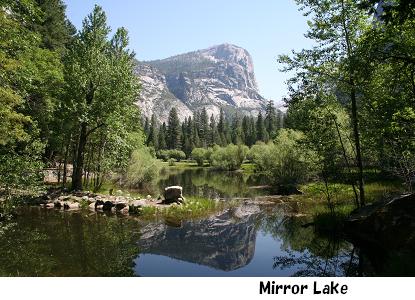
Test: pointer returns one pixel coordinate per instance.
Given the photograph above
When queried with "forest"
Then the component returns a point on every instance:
(67, 102)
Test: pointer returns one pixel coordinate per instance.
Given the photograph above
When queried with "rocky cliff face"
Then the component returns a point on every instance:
(220, 76)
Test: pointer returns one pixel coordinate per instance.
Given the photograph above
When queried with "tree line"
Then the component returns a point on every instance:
(203, 131)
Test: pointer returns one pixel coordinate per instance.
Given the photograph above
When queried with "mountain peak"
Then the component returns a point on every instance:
(221, 76)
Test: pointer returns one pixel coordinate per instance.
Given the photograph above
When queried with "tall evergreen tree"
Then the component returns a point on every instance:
(152, 138)
(173, 130)
(221, 128)
(237, 133)
(271, 119)
(162, 144)
(261, 132)
(214, 138)
(204, 127)
(55, 29)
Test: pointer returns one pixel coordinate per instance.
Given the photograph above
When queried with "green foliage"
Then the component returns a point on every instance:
(165, 155)
(101, 88)
(142, 169)
(286, 161)
(199, 155)
(172, 161)
(192, 208)
(230, 157)
(30, 81)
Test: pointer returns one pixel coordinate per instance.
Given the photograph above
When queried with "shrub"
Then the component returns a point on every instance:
(286, 161)
(142, 169)
(165, 155)
(172, 161)
(230, 157)
(198, 155)
(178, 155)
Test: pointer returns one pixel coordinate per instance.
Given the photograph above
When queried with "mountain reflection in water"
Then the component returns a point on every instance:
(247, 241)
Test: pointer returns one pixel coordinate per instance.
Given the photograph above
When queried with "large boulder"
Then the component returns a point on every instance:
(173, 194)
(387, 222)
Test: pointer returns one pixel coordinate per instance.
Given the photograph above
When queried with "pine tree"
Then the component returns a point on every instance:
(261, 131)
(162, 144)
(152, 139)
(252, 131)
(204, 127)
(221, 128)
(270, 119)
(173, 130)
(194, 135)
(237, 134)
(214, 138)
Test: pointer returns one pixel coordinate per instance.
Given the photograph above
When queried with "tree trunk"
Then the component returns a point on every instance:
(79, 163)
(65, 162)
(356, 134)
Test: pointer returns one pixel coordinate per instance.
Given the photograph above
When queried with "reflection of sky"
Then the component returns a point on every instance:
(266, 248)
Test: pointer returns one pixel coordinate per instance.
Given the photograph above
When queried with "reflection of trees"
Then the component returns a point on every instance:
(344, 263)
(308, 252)
(209, 183)
(51, 243)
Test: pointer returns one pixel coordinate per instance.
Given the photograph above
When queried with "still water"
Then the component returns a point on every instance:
(249, 240)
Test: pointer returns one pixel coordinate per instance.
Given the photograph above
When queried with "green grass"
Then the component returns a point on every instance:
(314, 201)
(183, 164)
(193, 208)
(248, 168)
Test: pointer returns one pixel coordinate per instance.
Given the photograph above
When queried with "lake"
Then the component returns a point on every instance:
(254, 239)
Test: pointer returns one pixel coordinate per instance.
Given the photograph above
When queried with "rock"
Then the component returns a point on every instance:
(387, 222)
(107, 205)
(74, 206)
(173, 194)
(85, 198)
(134, 209)
(120, 206)
(288, 190)
(125, 210)
(99, 203)
(63, 197)
(92, 205)
(57, 204)
(139, 203)
(148, 197)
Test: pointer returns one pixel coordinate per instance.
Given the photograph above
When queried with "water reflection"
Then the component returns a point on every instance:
(53, 243)
(250, 240)
(225, 242)
(212, 184)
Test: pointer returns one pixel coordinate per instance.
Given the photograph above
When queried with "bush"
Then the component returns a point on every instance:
(230, 157)
(172, 161)
(178, 155)
(198, 155)
(165, 155)
(142, 169)
(286, 161)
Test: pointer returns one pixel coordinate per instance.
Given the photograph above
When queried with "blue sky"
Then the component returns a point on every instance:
(159, 29)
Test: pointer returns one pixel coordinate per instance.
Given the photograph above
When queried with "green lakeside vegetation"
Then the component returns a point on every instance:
(67, 102)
